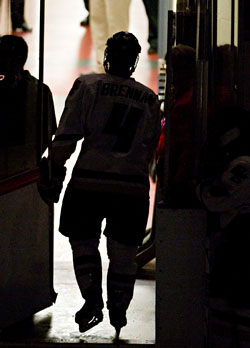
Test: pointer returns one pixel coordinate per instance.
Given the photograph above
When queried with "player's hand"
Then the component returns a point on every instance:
(50, 188)
(50, 192)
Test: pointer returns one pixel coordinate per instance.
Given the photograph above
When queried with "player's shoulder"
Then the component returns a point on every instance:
(90, 78)
(93, 78)
(144, 87)
(117, 86)
(33, 82)
(84, 81)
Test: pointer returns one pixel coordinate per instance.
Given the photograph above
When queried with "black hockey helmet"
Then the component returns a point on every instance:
(121, 54)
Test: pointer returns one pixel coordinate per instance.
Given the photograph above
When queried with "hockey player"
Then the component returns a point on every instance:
(19, 99)
(119, 120)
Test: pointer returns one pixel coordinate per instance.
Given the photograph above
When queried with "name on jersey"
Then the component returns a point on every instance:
(112, 89)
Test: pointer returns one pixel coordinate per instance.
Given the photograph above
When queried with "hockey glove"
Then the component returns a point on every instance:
(50, 189)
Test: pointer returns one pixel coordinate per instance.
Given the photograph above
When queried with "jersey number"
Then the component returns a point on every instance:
(123, 122)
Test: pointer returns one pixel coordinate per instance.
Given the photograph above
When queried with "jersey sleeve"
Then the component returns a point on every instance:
(71, 125)
(72, 120)
(49, 117)
(152, 134)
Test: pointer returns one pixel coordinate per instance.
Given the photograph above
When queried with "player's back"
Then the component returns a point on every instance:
(120, 123)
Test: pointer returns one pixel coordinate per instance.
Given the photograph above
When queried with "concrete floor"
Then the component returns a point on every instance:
(55, 325)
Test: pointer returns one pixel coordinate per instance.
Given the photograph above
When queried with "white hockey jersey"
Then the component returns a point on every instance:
(119, 119)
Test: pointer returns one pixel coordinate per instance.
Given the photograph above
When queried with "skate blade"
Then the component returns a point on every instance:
(117, 334)
(89, 325)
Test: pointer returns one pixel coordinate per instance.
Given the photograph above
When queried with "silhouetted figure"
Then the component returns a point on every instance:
(85, 21)
(224, 188)
(152, 14)
(181, 192)
(119, 120)
(19, 109)
(225, 191)
(19, 23)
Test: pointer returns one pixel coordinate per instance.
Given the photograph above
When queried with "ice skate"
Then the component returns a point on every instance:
(117, 320)
(117, 333)
(87, 318)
